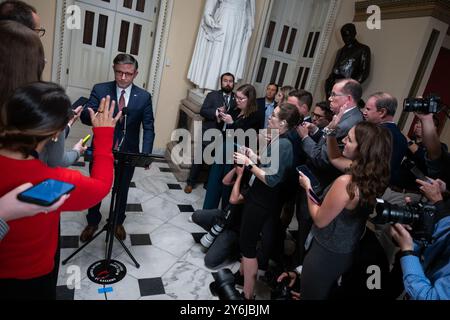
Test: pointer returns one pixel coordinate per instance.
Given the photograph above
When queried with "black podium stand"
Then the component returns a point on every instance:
(109, 271)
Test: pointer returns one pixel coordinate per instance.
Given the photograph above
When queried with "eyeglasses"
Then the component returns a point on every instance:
(120, 74)
(40, 32)
(334, 94)
(316, 115)
(273, 115)
(241, 99)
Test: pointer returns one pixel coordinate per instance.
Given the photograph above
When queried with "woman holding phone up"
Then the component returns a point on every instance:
(263, 197)
(34, 114)
(340, 220)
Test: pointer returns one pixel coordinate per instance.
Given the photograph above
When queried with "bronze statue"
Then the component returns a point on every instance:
(352, 60)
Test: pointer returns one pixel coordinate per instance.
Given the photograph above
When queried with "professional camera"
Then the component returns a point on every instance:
(224, 286)
(430, 104)
(222, 222)
(282, 291)
(418, 215)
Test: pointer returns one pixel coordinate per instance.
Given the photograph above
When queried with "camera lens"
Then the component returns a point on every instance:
(281, 290)
(224, 285)
(209, 238)
(389, 213)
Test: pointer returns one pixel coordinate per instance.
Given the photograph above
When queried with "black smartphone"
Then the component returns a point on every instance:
(307, 172)
(88, 154)
(237, 147)
(419, 174)
(46, 193)
(314, 197)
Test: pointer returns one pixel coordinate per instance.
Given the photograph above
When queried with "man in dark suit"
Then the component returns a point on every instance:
(380, 109)
(139, 111)
(321, 116)
(267, 104)
(302, 99)
(344, 96)
(222, 99)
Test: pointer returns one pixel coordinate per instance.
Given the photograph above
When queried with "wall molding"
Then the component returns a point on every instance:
(159, 50)
(400, 9)
(323, 45)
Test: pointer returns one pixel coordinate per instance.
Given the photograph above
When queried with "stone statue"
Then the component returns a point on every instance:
(222, 41)
(352, 60)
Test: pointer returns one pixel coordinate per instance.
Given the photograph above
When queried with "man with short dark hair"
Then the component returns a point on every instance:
(321, 117)
(267, 104)
(138, 103)
(224, 99)
(302, 99)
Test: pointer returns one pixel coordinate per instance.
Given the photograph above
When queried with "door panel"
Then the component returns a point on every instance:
(104, 35)
(138, 41)
(291, 43)
(90, 54)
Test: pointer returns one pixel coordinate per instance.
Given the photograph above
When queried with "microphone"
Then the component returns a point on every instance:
(124, 130)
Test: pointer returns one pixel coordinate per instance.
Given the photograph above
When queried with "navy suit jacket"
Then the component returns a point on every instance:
(140, 111)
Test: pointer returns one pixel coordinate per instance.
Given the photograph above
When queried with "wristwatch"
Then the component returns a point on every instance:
(329, 132)
(407, 253)
(249, 167)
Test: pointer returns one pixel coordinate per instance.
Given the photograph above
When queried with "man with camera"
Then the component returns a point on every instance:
(222, 240)
(437, 159)
(426, 267)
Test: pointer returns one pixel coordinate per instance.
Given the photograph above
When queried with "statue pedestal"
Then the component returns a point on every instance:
(189, 111)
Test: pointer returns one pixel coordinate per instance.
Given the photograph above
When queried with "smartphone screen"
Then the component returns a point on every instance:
(46, 193)
(307, 172)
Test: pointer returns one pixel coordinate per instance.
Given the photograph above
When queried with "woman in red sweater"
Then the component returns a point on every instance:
(35, 114)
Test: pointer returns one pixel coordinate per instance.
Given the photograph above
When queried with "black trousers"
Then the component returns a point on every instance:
(196, 169)
(94, 216)
(42, 288)
(304, 225)
(321, 270)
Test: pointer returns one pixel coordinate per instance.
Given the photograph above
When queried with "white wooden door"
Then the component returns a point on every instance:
(109, 27)
(290, 44)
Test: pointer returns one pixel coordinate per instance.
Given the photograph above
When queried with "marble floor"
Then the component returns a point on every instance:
(159, 235)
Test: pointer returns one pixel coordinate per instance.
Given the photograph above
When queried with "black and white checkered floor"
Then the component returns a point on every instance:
(159, 236)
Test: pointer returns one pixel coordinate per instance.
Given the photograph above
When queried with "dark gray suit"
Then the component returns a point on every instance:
(317, 152)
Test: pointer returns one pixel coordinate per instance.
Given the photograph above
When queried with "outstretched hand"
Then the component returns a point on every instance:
(104, 115)
(336, 119)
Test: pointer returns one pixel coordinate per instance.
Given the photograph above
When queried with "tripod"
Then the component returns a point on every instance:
(103, 270)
